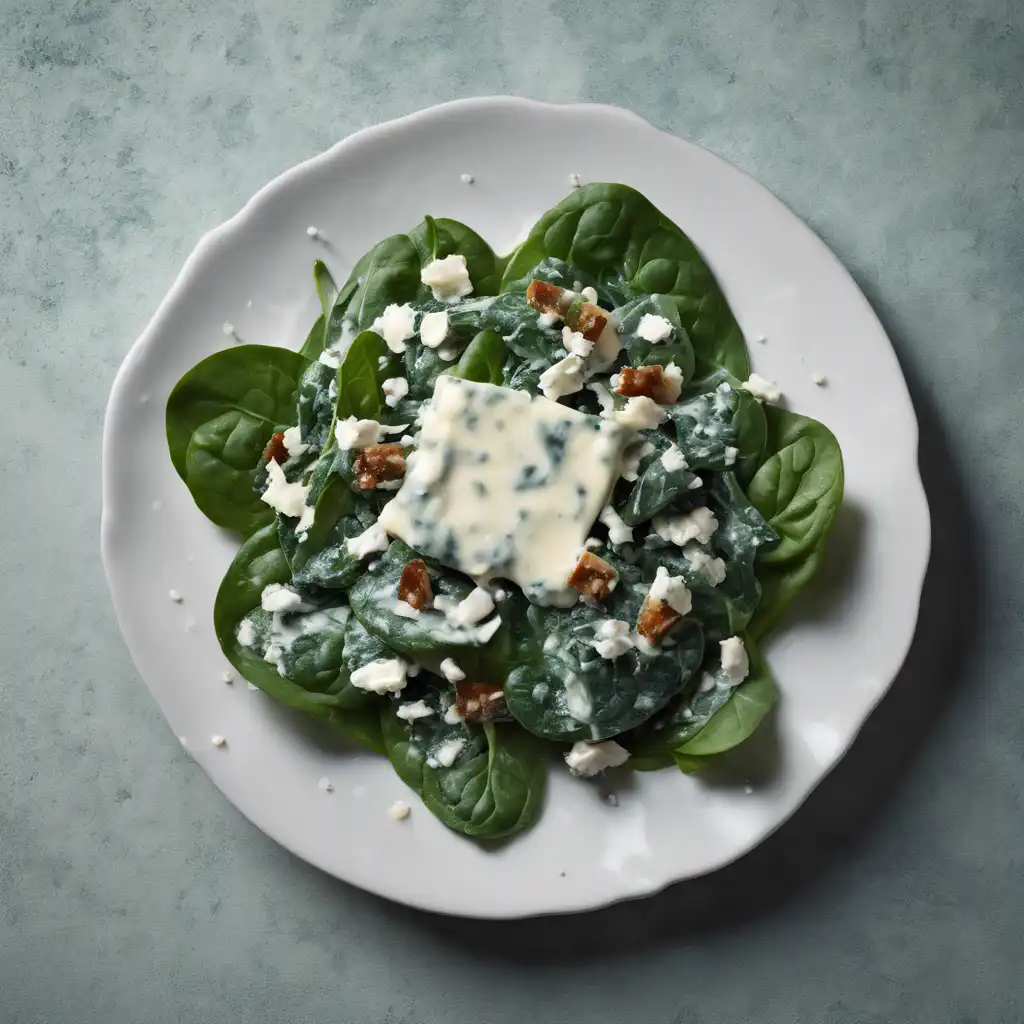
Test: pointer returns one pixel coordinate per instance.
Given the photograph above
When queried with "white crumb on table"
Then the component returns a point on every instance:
(574, 180)
(466, 178)
(820, 379)
(228, 328)
(227, 676)
(175, 596)
(326, 785)
(218, 741)
(313, 232)
(399, 811)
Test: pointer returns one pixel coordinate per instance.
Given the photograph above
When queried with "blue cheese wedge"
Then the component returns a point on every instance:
(506, 485)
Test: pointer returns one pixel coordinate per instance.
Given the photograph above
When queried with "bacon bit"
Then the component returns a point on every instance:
(379, 463)
(649, 381)
(586, 318)
(593, 576)
(414, 585)
(546, 298)
(656, 619)
(479, 702)
(275, 449)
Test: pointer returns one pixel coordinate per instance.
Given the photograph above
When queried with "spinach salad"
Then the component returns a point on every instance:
(496, 507)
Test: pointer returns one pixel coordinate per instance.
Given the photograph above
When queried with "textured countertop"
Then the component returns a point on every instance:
(131, 891)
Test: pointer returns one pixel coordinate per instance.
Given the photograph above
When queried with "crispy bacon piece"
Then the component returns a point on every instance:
(379, 463)
(586, 318)
(546, 298)
(275, 449)
(656, 619)
(479, 702)
(649, 381)
(414, 585)
(593, 576)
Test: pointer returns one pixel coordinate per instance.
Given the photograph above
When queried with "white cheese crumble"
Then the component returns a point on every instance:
(730, 455)
(326, 785)
(356, 433)
(631, 457)
(218, 741)
(395, 389)
(466, 179)
(434, 329)
(399, 811)
(614, 637)
(385, 675)
(820, 379)
(574, 180)
(762, 389)
(448, 751)
(474, 608)
(451, 715)
(246, 634)
(672, 386)
(175, 595)
(671, 590)
(413, 711)
(640, 413)
(682, 527)
(277, 597)
(313, 232)
(448, 279)
(293, 442)
(586, 759)
(654, 328)
(396, 325)
(618, 531)
(227, 676)
(574, 343)
(673, 459)
(563, 378)
(589, 295)
(228, 328)
(604, 399)
(368, 542)
(281, 496)
(735, 662)
(330, 359)
(713, 569)
(451, 671)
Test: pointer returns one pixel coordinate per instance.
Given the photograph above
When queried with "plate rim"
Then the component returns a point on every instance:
(220, 235)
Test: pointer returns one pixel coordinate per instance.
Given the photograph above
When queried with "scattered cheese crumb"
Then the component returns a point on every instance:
(640, 413)
(414, 710)
(574, 180)
(673, 459)
(761, 388)
(613, 639)
(251, 686)
(760, 339)
(355, 433)
(448, 751)
(586, 759)
(313, 232)
(735, 662)
(466, 179)
(218, 741)
(287, 498)
(683, 527)
(563, 378)
(395, 389)
(293, 442)
(618, 531)
(369, 541)
(575, 343)
(228, 328)
(671, 590)
(396, 325)
(227, 676)
(385, 675)
(474, 608)
(654, 328)
(451, 671)
(820, 379)
(448, 278)
(326, 785)
(434, 329)
(175, 596)
(399, 811)
(332, 360)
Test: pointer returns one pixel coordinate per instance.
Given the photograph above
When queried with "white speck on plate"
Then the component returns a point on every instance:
(611, 799)
(217, 740)
(228, 328)
(399, 811)
(760, 339)
(748, 790)
(175, 596)
(251, 686)
(157, 505)
(326, 785)
(574, 180)
(313, 232)
(466, 179)
(227, 676)
(820, 379)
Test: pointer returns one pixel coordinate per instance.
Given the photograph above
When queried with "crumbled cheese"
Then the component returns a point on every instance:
(762, 389)
(281, 496)
(448, 751)
(589, 295)
(574, 180)
(730, 455)
(448, 279)
(306, 520)
(640, 413)
(574, 343)
(385, 675)
(399, 811)
(175, 595)
(396, 325)
(228, 328)
(451, 671)
(369, 541)
(713, 569)
(217, 740)
(672, 384)
(618, 531)
(406, 610)
(466, 179)
(355, 433)
(735, 662)
(604, 399)
(586, 759)
(330, 359)
(613, 639)
(682, 527)
(451, 715)
(326, 785)
(673, 459)
(227, 676)
(474, 608)
(820, 379)
(278, 598)
(564, 378)
(671, 590)
(293, 442)
(395, 389)
(654, 328)
(413, 711)
(434, 329)
(246, 634)
(313, 232)
(631, 457)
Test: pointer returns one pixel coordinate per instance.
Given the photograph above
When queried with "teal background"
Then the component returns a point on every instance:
(130, 890)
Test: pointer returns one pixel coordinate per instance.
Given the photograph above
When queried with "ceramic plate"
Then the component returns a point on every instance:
(833, 661)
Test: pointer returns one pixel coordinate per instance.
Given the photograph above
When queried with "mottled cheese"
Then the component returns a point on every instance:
(505, 485)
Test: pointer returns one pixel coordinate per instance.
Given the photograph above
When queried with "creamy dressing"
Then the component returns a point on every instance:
(505, 485)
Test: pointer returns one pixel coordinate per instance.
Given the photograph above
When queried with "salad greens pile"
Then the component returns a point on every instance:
(723, 505)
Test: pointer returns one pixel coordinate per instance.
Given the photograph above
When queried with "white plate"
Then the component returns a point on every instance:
(832, 665)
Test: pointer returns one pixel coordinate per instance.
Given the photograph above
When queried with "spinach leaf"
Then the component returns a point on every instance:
(314, 343)
(639, 352)
(428, 638)
(656, 487)
(310, 674)
(619, 237)
(360, 377)
(219, 418)
(389, 273)
(316, 404)
(438, 237)
(798, 489)
(495, 785)
(484, 359)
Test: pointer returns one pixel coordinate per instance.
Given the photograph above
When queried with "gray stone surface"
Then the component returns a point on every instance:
(130, 890)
